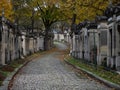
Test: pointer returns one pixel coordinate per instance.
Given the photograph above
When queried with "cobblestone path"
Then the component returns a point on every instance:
(50, 73)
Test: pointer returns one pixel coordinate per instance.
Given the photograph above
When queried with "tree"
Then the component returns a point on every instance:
(21, 11)
(82, 10)
(49, 13)
(6, 7)
(115, 1)
(87, 9)
(24, 14)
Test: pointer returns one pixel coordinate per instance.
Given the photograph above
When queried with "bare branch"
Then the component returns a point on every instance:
(40, 7)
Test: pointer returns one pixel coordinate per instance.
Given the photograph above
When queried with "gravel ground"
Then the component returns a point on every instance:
(50, 73)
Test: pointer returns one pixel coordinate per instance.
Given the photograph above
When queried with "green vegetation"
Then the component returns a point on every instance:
(7, 69)
(108, 75)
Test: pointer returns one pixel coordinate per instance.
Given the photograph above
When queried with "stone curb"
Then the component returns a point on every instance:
(107, 83)
(15, 73)
(10, 78)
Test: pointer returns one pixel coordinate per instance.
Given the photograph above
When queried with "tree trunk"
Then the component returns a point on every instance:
(46, 43)
(46, 39)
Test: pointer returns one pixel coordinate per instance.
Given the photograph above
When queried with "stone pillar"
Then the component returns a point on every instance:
(38, 47)
(12, 47)
(77, 46)
(36, 44)
(113, 46)
(71, 46)
(108, 48)
(31, 45)
(74, 45)
(98, 50)
(80, 46)
(20, 47)
(16, 47)
(8, 45)
(83, 50)
(85, 44)
(0, 49)
(88, 47)
(27, 45)
(24, 44)
(118, 47)
(3, 47)
(41, 41)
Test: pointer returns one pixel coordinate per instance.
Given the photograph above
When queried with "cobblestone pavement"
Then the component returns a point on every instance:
(50, 73)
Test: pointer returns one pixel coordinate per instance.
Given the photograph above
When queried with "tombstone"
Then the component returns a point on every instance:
(85, 45)
(113, 59)
(24, 44)
(4, 43)
(102, 36)
(73, 40)
(0, 40)
(93, 41)
(117, 37)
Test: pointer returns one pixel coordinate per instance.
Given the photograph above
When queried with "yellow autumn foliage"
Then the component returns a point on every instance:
(87, 9)
(7, 7)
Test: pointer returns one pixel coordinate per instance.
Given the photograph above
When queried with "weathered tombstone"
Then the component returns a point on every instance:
(113, 37)
(93, 41)
(102, 45)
